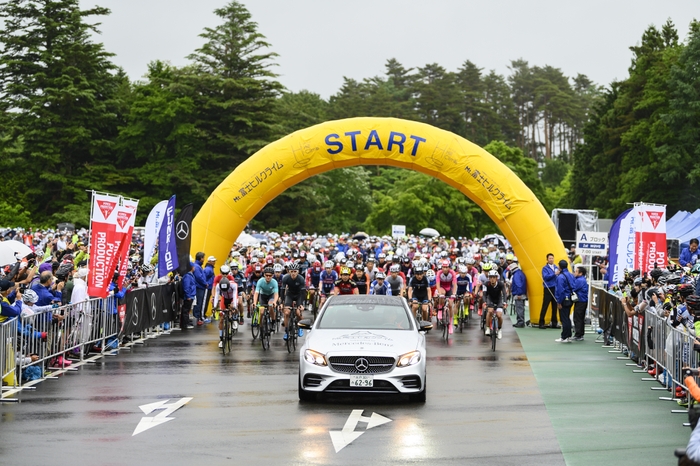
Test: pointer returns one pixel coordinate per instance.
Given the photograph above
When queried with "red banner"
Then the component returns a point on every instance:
(126, 217)
(651, 237)
(102, 243)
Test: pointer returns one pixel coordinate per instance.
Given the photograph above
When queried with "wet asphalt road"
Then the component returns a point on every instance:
(482, 408)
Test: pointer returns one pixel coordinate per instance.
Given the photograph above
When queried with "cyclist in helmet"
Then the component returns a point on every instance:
(313, 279)
(241, 286)
(294, 287)
(360, 278)
(419, 292)
(267, 291)
(379, 286)
(447, 285)
(495, 299)
(147, 276)
(328, 279)
(255, 275)
(464, 287)
(395, 281)
(225, 298)
(345, 285)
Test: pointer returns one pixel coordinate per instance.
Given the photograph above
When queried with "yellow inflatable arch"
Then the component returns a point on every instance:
(382, 141)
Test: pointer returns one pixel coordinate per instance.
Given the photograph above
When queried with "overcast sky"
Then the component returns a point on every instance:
(320, 41)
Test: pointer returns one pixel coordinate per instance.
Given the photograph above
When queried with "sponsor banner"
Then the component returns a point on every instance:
(125, 226)
(621, 248)
(167, 247)
(398, 231)
(652, 237)
(103, 234)
(153, 222)
(183, 229)
(144, 308)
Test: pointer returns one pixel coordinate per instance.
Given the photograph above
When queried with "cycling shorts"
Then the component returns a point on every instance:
(227, 302)
(422, 301)
(499, 310)
(291, 299)
(266, 299)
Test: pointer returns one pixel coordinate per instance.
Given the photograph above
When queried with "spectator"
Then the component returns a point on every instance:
(519, 292)
(563, 292)
(201, 285)
(549, 277)
(189, 287)
(209, 274)
(689, 255)
(10, 300)
(80, 288)
(48, 291)
(581, 289)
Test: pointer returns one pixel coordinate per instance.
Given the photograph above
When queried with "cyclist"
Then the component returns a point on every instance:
(241, 284)
(267, 291)
(294, 288)
(494, 298)
(304, 264)
(447, 285)
(419, 292)
(253, 278)
(345, 285)
(464, 286)
(313, 279)
(226, 289)
(379, 285)
(328, 279)
(397, 284)
(371, 270)
(216, 299)
(360, 277)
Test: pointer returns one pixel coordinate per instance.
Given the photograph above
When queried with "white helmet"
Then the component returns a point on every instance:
(394, 268)
(430, 274)
(225, 269)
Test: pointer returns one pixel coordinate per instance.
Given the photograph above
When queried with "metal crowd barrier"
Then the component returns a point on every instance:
(8, 343)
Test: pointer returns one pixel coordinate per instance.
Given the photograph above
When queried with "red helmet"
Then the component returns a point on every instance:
(317, 264)
(269, 260)
(446, 263)
(257, 267)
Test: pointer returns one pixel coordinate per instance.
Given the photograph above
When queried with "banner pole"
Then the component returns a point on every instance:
(92, 206)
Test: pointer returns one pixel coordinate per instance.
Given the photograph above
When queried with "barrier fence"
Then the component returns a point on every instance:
(646, 338)
(46, 338)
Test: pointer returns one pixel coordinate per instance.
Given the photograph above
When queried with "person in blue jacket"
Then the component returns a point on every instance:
(518, 288)
(549, 278)
(564, 288)
(8, 308)
(201, 284)
(581, 290)
(690, 255)
(189, 288)
(209, 274)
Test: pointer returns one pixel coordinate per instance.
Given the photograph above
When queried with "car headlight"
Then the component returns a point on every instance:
(409, 359)
(314, 357)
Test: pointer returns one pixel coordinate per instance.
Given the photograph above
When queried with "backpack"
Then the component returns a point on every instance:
(224, 284)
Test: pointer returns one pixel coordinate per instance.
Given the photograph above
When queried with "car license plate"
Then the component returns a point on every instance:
(361, 380)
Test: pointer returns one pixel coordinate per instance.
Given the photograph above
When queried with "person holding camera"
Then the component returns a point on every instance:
(562, 295)
(48, 290)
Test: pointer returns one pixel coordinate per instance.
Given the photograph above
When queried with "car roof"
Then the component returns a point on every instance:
(367, 299)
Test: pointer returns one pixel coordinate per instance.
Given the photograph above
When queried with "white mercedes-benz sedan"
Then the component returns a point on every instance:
(363, 344)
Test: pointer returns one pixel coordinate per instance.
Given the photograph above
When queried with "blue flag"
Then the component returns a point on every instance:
(167, 248)
(617, 248)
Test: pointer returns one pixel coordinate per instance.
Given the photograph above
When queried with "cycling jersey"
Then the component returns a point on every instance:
(240, 281)
(448, 282)
(420, 288)
(293, 287)
(267, 288)
(328, 281)
(361, 282)
(346, 287)
(464, 284)
(312, 278)
(383, 289)
(253, 280)
(494, 295)
(395, 283)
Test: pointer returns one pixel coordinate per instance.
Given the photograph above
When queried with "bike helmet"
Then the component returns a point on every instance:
(277, 253)
(379, 276)
(278, 268)
(686, 289)
(302, 254)
(696, 269)
(269, 270)
(350, 264)
(370, 259)
(493, 273)
(510, 257)
(260, 255)
(317, 264)
(147, 268)
(234, 265)
(443, 254)
(486, 267)
(395, 259)
(225, 269)
(637, 281)
(394, 268)
(430, 274)
(257, 268)
(693, 302)
(381, 255)
(445, 263)
(293, 266)
(462, 268)
(269, 260)
(418, 269)
(471, 261)
(29, 296)
(345, 271)
(328, 265)
(343, 260)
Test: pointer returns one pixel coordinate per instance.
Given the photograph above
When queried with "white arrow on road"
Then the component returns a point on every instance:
(149, 422)
(342, 438)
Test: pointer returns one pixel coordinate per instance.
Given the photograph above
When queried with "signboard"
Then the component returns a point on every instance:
(398, 231)
(591, 243)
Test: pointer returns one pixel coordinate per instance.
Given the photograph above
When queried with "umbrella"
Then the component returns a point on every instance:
(360, 235)
(432, 232)
(320, 243)
(12, 250)
(261, 238)
(500, 239)
(244, 239)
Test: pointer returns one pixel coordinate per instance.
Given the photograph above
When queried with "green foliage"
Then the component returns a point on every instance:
(14, 216)
(554, 172)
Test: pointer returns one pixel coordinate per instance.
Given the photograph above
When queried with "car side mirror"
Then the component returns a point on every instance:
(425, 325)
(305, 324)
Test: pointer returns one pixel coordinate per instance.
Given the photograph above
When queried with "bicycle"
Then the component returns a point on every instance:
(494, 329)
(230, 321)
(292, 329)
(255, 322)
(461, 316)
(266, 325)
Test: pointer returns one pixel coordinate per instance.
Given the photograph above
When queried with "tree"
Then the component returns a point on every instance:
(58, 105)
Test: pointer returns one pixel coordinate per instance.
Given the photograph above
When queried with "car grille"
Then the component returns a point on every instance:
(376, 364)
(343, 386)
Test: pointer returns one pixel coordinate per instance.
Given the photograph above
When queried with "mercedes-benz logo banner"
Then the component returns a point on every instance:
(183, 238)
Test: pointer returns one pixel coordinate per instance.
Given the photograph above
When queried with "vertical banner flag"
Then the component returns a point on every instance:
(126, 218)
(652, 237)
(167, 248)
(155, 218)
(102, 242)
(183, 227)
(621, 252)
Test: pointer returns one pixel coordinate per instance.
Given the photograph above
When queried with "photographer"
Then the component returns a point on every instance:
(48, 291)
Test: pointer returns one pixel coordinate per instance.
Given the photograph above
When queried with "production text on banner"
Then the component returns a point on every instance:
(103, 225)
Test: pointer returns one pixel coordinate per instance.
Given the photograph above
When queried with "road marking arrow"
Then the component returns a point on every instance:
(161, 418)
(342, 438)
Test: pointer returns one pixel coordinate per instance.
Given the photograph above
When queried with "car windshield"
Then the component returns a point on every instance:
(365, 316)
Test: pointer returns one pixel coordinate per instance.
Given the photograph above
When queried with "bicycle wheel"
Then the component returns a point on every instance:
(445, 323)
(234, 322)
(494, 331)
(225, 342)
(289, 329)
(295, 334)
(265, 332)
(461, 315)
(254, 324)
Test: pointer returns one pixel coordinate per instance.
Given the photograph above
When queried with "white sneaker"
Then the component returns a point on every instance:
(221, 344)
(559, 340)
(566, 340)
(487, 332)
(500, 334)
